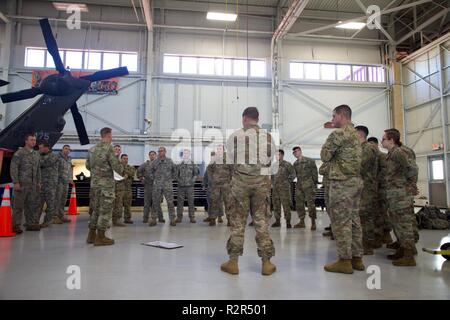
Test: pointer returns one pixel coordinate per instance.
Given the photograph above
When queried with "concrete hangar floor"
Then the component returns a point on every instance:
(35, 265)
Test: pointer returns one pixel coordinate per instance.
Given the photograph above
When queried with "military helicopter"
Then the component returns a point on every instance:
(45, 117)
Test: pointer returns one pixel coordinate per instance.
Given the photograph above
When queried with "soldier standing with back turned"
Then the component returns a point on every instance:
(102, 163)
(251, 151)
(26, 175)
(64, 179)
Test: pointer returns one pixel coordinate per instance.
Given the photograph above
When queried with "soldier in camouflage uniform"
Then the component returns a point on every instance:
(324, 172)
(102, 162)
(281, 190)
(342, 151)
(250, 190)
(144, 174)
(49, 181)
(401, 176)
(307, 180)
(26, 175)
(414, 191)
(383, 226)
(369, 171)
(64, 179)
(124, 194)
(164, 172)
(206, 186)
(187, 173)
(219, 173)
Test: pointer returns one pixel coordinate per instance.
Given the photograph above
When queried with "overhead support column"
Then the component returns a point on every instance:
(149, 105)
(286, 23)
(396, 98)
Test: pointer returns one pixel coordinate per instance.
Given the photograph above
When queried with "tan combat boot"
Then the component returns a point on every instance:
(65, 220)
(251, 224)
(397, 255)
(340, 266)
(267, 267)
(357, 264)
(407, 260)
(178, 220)
(368, 251)
(377, 244)
(301, 224)
(152, 223)
(288, 224)
(231, 266)
(44, 225)
(192, 220)
(212, 222)
(276, 224)
(173, 222)
(57, 220)
(91, 236)
(313, 224)
(220, 220)
(102, 240)
(207, 219)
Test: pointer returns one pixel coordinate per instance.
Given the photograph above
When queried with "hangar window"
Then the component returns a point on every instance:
(336, 72)
(214, 66)
(93, 60)
(35, 57)
(81, 59)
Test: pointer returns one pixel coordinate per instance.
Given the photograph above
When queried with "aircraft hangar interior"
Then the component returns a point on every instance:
(225, 149)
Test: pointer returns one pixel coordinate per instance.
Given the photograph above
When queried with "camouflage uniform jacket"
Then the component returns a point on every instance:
(306, 172)
(163, 171)
(144, 171)
(284, 175)
(369, 166)
(101, 162)
(251, 157)
(342, 150)
(64, 169)
(400, 172)
(25, 168)
(49, 163)
(128, 177)
(187, 173)
(219, 173)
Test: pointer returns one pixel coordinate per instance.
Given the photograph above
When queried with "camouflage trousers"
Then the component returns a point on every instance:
(219, 199)
(403, 228)
(102, 202)
(159, 191)
(244, 198)
(281, 197)
(122, 203)
(61, 198)
(308, 194)
(367, 215)
(414, 225)
(183, 193)
(381, 221)
(48, 197)
(326, 194)
(344, 215)
(148, 201)
(26, 203)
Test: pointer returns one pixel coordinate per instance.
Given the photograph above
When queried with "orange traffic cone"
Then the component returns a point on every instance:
(73, 202)
(6, 229)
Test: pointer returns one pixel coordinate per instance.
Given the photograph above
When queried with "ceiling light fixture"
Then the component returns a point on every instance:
(351, 25)
(221, 16)
(63, 6)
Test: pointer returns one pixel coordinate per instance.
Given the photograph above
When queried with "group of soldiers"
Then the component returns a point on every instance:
(41, 180)
(368, 194)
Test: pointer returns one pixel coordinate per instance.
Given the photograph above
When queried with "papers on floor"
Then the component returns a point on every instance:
(162, 244)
